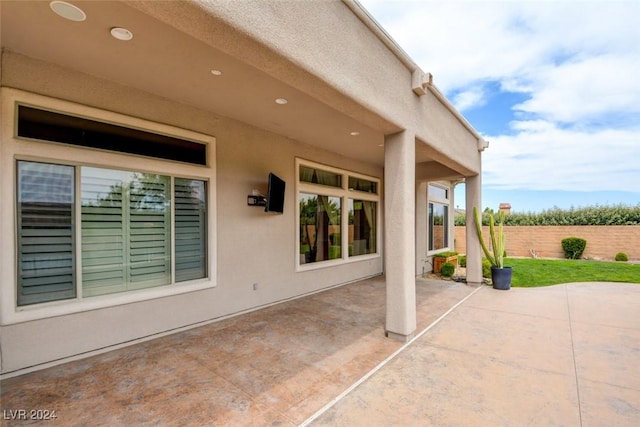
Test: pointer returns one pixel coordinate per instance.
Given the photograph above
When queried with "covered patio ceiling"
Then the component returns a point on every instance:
(167, 62)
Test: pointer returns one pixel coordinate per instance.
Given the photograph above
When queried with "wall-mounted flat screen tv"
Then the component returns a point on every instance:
(275, 194)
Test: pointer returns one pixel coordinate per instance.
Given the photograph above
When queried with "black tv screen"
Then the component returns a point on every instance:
(275, 194)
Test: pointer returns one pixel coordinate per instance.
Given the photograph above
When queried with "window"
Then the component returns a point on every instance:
(362, 227)
(190, 197)
(438, 226)
(125, 225)
(337, 214)
(319, 176)
(320, 229)
(361, 184)
(125, 230)
(106, 209)
(436, 192)
(46, 125)
(438, 218)
(45, 233)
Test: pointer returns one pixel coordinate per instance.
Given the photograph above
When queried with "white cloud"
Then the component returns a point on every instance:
(544, 157)
(586, 89)
(473, 97)
(463, 42)
(576, 62)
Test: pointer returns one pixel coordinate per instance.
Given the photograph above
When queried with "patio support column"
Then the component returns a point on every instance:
(473, 249)
(421, 229)
(399, 254)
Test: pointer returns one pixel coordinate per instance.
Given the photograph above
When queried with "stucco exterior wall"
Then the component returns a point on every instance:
(252, 246)
(603, 242)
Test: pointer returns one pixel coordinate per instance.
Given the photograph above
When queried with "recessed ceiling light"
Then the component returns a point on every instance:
(380, 145)
(216, 72)
(354, 133)
(281, 101)
(68, 11)
(121, 33)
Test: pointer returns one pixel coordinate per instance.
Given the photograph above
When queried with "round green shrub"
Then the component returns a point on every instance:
(573, 247)
(486, 268)
(621, 256)
(462, 260)
(447, 269)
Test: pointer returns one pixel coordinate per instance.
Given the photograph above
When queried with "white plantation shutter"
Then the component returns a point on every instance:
(103, 233)
(45, 233)
(149, 231)
(191, 231)
(125, 231)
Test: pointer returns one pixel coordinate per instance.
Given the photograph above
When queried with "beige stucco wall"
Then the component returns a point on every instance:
(252, 247)
(603, 242)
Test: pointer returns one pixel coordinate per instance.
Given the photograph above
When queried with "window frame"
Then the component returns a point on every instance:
(344, 193)
(14, 148)
(441, 201)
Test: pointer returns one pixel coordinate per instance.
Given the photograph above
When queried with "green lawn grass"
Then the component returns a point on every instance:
(529, 272)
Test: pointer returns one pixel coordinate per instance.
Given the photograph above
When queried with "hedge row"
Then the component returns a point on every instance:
(592, 215)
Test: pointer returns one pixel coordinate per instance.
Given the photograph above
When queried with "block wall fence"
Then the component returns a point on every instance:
(603, 241)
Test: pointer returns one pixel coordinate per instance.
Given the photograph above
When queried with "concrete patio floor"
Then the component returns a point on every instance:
(561, 355)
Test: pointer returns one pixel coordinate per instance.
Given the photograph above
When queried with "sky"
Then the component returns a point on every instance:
(554, 86)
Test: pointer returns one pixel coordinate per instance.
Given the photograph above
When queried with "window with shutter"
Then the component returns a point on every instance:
(191, 230)
(149, 231)
(125, 231)
(46, 270)
(107, 209)
(103, 233)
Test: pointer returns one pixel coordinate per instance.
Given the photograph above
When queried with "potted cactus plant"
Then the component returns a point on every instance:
(500, 275)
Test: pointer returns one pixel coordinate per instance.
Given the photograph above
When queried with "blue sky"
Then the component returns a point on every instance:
(554, 86)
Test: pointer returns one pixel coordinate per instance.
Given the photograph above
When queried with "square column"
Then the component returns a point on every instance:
(474, 251)
(399, 233)
(422, 213)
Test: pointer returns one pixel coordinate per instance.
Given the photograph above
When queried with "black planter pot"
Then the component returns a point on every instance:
(501, 278)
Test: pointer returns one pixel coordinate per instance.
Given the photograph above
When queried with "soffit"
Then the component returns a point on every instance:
(167, 62)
